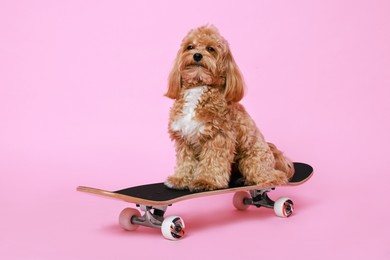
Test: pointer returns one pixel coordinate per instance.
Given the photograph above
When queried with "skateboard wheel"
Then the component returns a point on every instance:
(173, 228)
(239, 198)
(125, 219)
(283, 207)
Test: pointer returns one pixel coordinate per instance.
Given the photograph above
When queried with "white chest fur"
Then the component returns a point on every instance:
(186, 124)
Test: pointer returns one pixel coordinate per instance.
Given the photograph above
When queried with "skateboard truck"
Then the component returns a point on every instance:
(153, 217)
(260, 199)
(283, 207)
(172, 228)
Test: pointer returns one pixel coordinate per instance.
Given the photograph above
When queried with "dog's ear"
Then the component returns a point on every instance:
(234, 82)
(174, 80)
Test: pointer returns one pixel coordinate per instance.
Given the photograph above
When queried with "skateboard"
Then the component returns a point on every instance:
(154, 199)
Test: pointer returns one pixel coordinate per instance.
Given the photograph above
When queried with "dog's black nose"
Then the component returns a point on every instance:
(198, 57)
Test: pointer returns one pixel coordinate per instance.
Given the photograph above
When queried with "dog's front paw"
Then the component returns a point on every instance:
(272, 179)
(204, 185)
(176, 183)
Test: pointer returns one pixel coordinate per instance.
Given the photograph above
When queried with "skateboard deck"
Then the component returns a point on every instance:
(154, 199)
(157, 194)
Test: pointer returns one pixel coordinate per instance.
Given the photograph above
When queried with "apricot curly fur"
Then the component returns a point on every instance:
(209, 126)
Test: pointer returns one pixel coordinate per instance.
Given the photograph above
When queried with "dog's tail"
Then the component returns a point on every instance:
(282, 163)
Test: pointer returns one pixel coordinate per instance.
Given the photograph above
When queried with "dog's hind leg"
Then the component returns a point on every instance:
(258, 166)
(282, 163)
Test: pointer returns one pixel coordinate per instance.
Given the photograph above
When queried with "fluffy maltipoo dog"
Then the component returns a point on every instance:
(211, 129)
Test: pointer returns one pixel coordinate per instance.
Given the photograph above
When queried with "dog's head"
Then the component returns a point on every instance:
(204, 58)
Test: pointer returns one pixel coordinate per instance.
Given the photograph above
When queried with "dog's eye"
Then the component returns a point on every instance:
(210, 49)
(190, 47)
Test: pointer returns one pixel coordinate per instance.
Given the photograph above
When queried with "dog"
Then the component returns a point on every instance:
(210, 128)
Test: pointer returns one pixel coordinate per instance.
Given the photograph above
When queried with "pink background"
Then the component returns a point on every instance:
(81, 103)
